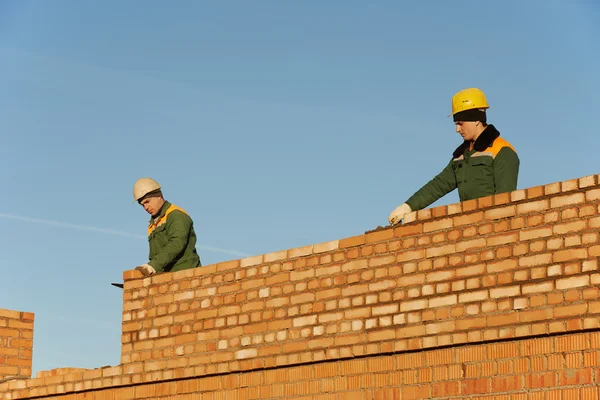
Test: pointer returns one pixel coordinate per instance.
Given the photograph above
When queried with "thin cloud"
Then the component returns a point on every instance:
(106, 231)
(71, 226)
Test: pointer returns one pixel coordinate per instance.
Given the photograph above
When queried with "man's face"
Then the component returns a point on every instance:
(152, 205)
(467, 129)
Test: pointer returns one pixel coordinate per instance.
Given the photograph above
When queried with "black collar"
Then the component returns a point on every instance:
(485, 140)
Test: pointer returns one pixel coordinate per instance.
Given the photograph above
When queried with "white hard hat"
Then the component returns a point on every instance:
(143, 186)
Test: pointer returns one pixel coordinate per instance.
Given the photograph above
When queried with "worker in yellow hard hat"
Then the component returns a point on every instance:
(171, 234)
(484, 164)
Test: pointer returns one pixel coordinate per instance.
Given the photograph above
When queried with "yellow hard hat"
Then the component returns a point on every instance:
(143, 186)
(468, 99)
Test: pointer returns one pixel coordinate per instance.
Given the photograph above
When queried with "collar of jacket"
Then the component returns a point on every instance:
(162, 212)
(485, 140)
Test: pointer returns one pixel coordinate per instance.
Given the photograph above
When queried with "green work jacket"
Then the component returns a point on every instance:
(490, 167)
(172, 240)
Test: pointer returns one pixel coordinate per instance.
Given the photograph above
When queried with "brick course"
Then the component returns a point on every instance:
(445, 288)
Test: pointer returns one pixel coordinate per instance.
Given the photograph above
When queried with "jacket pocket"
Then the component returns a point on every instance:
(482, 169)
(159, 229)
(158, 238)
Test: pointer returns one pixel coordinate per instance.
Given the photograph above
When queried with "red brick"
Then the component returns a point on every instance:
(423, 214)
(443, 389)
(587, 181)
(485, 202)
(552, 188)
(541, 380)
(539, 259)
(507, 383)
(439, 251)
(474, 270)
(455, 234)
(468, 219)
(440, 211)
(479, 295)
(470, 244)
(408, 230)
(534, 192)
(534, 206)
(537, 233)
(538, 287)
(592, 195)
(568, 200)
(501, 266)
(413, 305)
(439, 276)
(501, 292)
(568, 311)
(573, 282)
(409, 280)
(379, 261)
(500, 213)
(455, 208)
(503, 319)
(352, 241)
(518, 195)
(570, 185)
(410, 255)
(575, 226)
(469, 205)
(228, 265)
(476, 386)
(498, 240)
(571, 377)
(379, 236)
(568, 255)
(376, 336)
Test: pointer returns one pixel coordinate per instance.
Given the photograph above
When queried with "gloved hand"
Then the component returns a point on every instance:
(398, 214)
(146, 269)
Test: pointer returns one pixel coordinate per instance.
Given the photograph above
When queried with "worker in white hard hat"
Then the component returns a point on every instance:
(484, 164)
(171, 235)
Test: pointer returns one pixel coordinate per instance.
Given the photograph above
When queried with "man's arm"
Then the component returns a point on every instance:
(178, 229)
(438, 187)
(506, 170)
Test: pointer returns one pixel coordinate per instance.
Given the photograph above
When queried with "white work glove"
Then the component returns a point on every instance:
(146, 269)
(398, 214)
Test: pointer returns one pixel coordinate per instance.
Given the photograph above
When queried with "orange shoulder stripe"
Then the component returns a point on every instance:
(163, 219)
(498, 145)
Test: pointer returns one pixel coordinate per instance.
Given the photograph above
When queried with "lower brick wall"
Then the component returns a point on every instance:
(561, 367)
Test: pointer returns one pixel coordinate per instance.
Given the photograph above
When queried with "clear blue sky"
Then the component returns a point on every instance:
(275, 124)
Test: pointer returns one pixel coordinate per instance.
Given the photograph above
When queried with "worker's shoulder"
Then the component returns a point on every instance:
(499, 144)
(176, 211)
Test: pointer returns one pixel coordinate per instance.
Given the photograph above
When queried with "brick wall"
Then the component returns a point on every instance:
(497, 290)
(564, 367)
(512, 265)
(16, 344)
